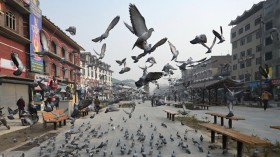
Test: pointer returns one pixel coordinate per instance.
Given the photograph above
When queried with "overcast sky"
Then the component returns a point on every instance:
(178, 20)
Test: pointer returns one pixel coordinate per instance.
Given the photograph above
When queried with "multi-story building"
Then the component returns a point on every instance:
(21, 22)
(96, 73)
(252, 45)
(14, 38)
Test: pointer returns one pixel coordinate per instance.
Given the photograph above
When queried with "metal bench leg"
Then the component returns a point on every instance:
(173, 115)
(230, 123)
(224, 142)
(222, 121)
(215, 119)
(54, 125)
(212, 136)
(239, 149)
(167, 114)
(59, 123)
(64, 122)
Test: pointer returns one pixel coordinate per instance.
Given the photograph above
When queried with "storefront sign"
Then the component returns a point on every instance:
(275, 81)
(35, 23)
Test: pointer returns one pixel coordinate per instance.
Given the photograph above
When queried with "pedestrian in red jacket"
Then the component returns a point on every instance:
(21, 105)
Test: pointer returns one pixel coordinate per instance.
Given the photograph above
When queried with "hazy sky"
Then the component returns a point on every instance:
(178, 20)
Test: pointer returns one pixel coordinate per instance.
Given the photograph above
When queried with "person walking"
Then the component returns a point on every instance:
(152, 101)
(21, 105)
(265, 98)
(97, 104)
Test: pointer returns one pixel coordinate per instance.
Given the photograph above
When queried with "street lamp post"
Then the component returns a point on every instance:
(261, 58)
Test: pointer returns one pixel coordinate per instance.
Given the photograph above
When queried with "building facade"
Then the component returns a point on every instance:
(255, 42)
(21, 22)
(96, 73)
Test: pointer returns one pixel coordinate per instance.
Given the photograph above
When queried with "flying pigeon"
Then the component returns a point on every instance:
(152, 61)
(199, 39)
(264, 71)
(131, 111)
(124, 69)
(139, 25)
(188, 61)
(12, 113)
(219, 36)
(102, 53)
(167, 67)
(182, 67)
(151, 76)
(18, 63)
(121, 62)
(106, 34)
(71, 30)
(209, 48)
(174, 51)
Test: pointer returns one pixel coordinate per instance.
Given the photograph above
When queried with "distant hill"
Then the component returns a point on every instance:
(128, 82)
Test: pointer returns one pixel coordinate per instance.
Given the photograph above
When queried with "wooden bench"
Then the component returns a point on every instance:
(203, 106)
(56, 116)
(275, 127)
(235, 135)
(84, 112)
(178, 105)
(222, 116)
(170, 114)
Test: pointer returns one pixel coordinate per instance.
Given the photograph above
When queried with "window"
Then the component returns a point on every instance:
(268, 41)
(242, 41)
(277, 72)
(234, 67)
(242, 54)
(249, 38)
(233, 77)
(54, 47)
(249, 52)
(247, 27)
(247, 77)
(234, 45)
(258, 34)
(72, 75)
(54, 70)
(63, 53)
(268, 25)
(10, 20)
(258, 60)
(248, 63)
(258, 21)
(242, 65)
(268, 56)
(240, 31)
(70, 57)
(234, 56)
(233, 35)
(257, 75)
(241, 77)
(258, 48)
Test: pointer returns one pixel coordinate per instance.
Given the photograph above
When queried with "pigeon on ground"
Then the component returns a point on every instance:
(102, 53)
(219, 36)
(256, 153)
(208, 154)
(264, 72)
(17, 61)
(209, 49)
(174, 51)
(106, 33)
(121, 62)
(139, 25)
(71, 30)
(199, 39)
(201, 138)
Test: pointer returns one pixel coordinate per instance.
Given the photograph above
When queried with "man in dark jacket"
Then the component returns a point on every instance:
(21, 105)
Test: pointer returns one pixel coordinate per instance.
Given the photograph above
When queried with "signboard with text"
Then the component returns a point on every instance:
(35, 25)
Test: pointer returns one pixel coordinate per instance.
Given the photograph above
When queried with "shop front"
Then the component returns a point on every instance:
(276, 88)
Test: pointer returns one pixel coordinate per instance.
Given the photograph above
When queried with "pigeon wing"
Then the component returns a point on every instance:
(159, 43)
(103, 49)
(137, 20)
(129, 27)
(10, 111)
(119, 62)
(217, 34)
(126, 112)
(214, 41)
(203, 59)
(151, 76)
(44, 41)
(113, 23)
(97, 39)
(96, 52)
(262, 71)
(221, 29)
(123, 60)
(266, 69)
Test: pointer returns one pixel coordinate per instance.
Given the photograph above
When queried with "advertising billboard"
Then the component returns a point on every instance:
(35, 25)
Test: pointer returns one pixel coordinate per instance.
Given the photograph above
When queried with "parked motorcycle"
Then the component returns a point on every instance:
(2, 119)
(29, 117)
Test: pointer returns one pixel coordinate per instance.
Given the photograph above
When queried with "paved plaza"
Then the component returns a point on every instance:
(257, 123)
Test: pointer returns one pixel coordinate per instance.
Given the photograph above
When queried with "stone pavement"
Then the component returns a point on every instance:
(257, 122)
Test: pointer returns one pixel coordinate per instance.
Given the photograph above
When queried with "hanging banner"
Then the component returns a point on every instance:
(35, 25)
